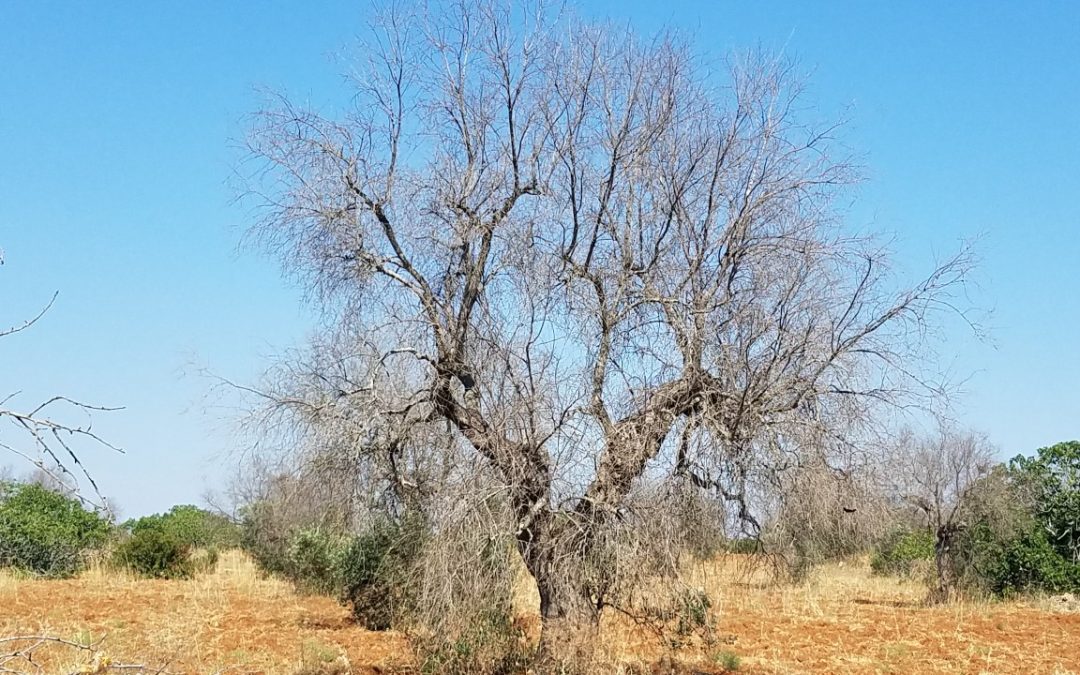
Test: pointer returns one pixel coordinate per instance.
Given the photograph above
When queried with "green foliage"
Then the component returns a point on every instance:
(727, 660)
(369, 571)
(1022, 563)
(314, 560)
(163, 545)
(263, 539)
(44, 532)
(903, 553)
(192, 526)
(376, 569)
(693, 612)
(154, 551)
(1053, 478)
(1030, 541)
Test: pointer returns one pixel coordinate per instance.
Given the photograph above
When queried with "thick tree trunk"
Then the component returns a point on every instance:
(568, 615)
(569, 626)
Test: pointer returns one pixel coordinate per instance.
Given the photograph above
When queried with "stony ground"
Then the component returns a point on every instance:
(234, 620)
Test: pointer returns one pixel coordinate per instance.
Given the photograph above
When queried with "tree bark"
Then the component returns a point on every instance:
(569, 617)
(946, 572)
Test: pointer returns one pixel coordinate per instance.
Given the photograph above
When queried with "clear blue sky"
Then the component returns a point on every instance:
(115, 150)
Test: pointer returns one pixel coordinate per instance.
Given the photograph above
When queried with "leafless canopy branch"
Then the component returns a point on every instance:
(53, 441)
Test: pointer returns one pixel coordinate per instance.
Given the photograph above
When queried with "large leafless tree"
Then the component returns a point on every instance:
(587, 261)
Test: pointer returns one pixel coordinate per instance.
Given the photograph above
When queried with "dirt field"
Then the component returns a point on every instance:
(234, 621)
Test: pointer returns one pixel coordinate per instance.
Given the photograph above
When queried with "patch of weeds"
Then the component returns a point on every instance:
(895, 650)
(489, 644)
(313, 650)
(728, 660)
(86, 638)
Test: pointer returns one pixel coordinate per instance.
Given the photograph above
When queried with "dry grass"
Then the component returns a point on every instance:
(232, 620)
(843, 620)
(840, 620)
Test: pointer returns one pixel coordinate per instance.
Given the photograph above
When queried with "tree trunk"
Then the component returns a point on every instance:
(568, 627)
(946, 572)
(569, 617)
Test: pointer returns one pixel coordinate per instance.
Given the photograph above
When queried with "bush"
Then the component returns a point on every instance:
(154, 551)
(375, 571)
(201, 528)
(44, 532)
(1052, 477)
(904, 553)
(1024, 533)
(314, 560)
(369, 571)
(1023, 563)
(192, 527)
(163, 545)
(265, 540)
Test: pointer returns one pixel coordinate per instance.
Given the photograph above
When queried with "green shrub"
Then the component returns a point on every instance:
(904, 553)
(176, 544)
(375, 571)
(192, 526)
(693, 612)
(154, 551)
(1023, 563)
(44, 532)
(263, 539)
(728, 660)
(1024, 530)
(314, 560)
(367, 571)
(1052, 477)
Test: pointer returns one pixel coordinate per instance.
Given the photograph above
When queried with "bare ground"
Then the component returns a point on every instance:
(842, 620)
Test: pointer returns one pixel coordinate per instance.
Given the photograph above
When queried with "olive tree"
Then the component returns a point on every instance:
(585, 262)
(941, 477)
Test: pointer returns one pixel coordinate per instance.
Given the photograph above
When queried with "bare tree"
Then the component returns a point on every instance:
(940, 476)
(52, 441)
(585, 261)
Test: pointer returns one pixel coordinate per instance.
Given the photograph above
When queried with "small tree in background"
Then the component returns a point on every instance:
(162, 545)
(938, 476)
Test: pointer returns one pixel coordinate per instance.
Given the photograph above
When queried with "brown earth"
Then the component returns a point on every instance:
(840, 621)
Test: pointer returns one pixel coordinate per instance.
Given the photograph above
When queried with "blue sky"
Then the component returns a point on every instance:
(116, 128)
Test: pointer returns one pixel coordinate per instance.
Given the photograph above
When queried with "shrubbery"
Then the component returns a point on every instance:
(906, 552)
(489, 644)
(1021, 563)
(1020, 532)
(44, 532)
(153, 551)
(162, 545)
(368, 570)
